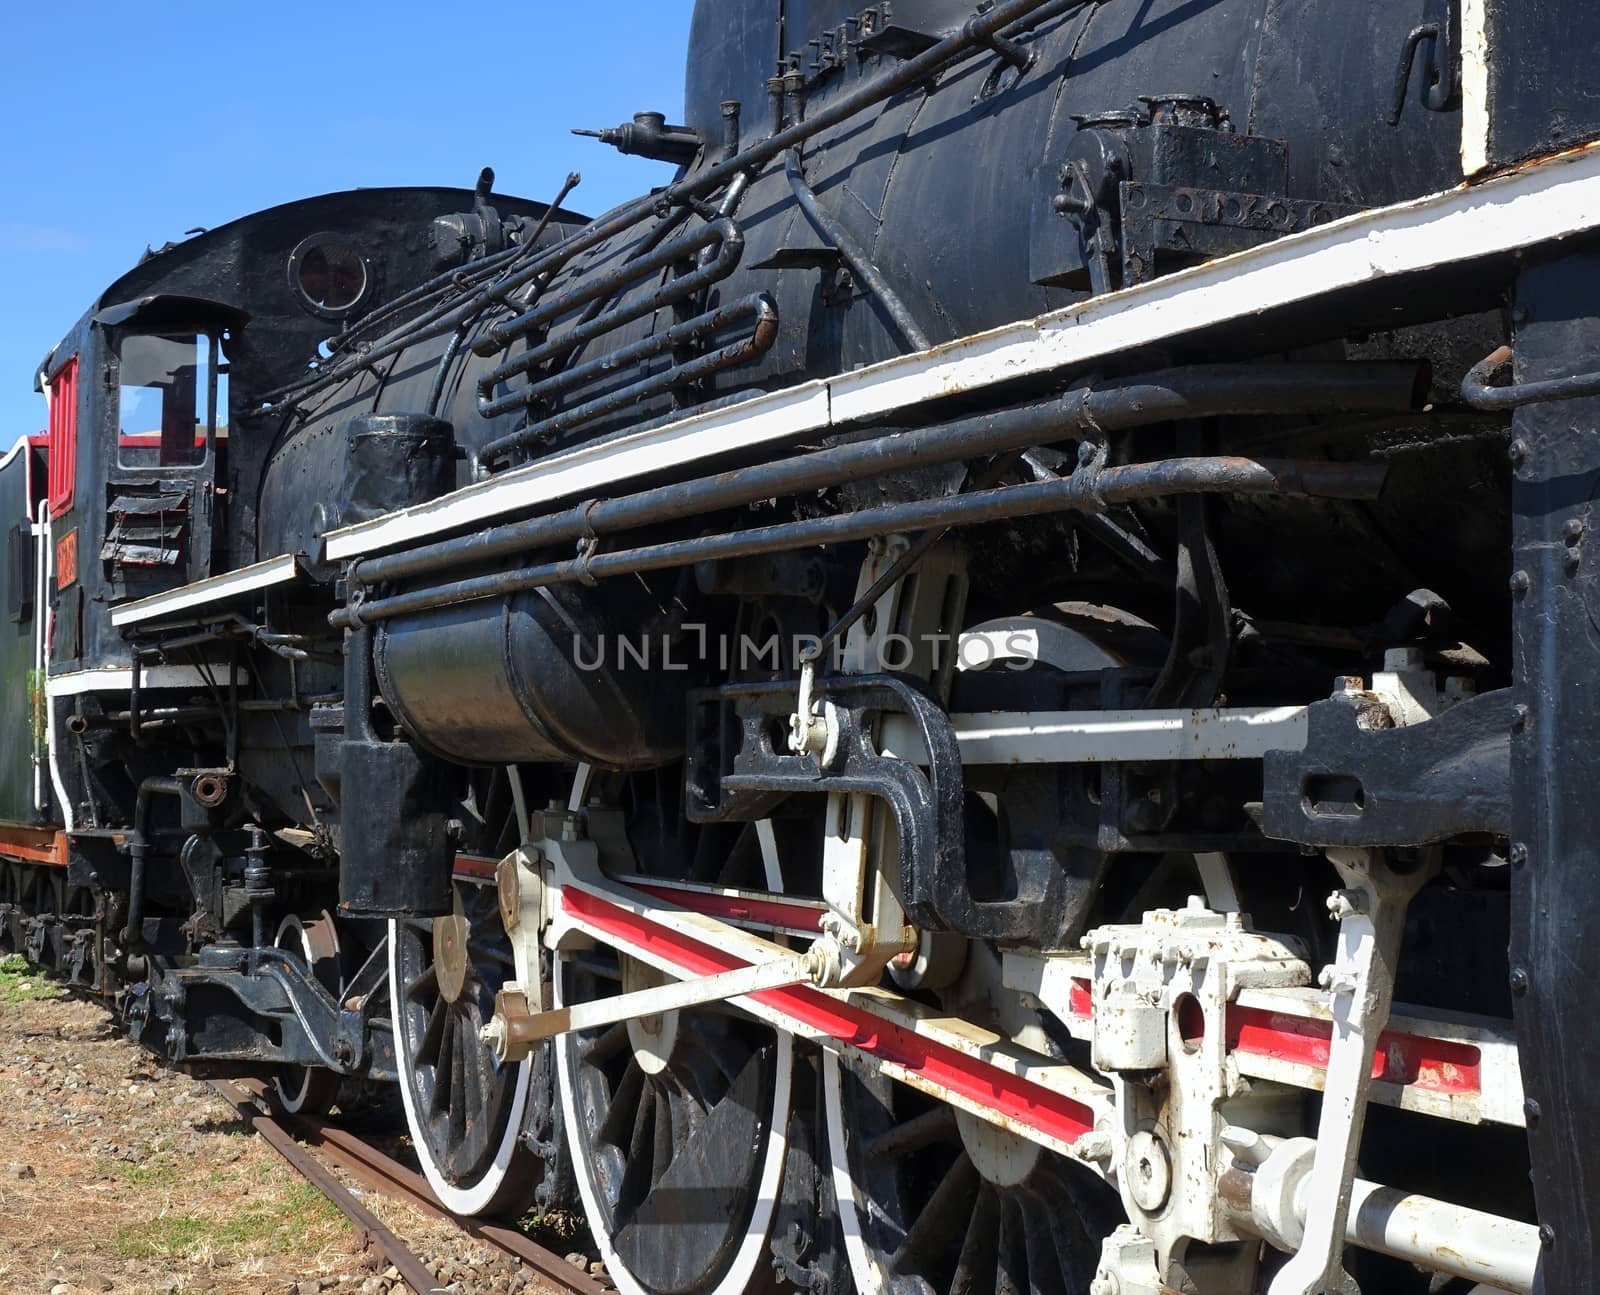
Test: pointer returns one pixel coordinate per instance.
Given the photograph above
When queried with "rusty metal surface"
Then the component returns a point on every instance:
(384, 1174)
(410, 1268)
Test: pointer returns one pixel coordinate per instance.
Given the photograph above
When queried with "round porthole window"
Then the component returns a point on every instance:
(329, 276)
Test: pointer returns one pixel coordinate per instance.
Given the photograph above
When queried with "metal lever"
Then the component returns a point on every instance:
(1371, 915)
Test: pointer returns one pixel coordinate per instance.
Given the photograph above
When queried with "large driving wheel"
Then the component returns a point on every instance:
(464, 1108)
(677, 1122)
(935, 1201)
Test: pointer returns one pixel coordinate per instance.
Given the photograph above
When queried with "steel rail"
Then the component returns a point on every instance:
(388, 1176)
(410, 1268)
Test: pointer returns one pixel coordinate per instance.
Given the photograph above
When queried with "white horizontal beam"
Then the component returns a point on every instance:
(1495, 1098)
(120, 679)
(259, 575)
(1103, 736)
(1534, 204)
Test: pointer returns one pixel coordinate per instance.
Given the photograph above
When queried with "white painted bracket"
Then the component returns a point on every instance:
(1361, 980)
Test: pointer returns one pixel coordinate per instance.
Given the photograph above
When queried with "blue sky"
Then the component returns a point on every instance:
(127, 123)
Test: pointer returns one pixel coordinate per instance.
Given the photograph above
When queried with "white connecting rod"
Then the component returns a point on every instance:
(512, 1033)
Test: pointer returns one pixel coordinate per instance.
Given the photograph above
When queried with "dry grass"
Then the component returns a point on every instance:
(144, 1182)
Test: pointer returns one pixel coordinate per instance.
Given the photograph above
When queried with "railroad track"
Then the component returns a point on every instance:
(294, 1138)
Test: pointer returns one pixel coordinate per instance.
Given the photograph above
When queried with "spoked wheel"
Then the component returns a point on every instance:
(10, 898)
(464, 1108)
(937, 1202)
(42, 938)
(934, 1201)
(677, 1122)
(310, 1090)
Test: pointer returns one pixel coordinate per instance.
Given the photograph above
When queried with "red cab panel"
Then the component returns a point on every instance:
(63, 436)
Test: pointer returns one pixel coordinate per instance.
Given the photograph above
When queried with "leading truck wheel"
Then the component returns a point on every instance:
(464, 1109)
(677, 1122)
(310, 1090)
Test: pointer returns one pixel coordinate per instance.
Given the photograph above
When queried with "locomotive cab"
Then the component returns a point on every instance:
(162, 425)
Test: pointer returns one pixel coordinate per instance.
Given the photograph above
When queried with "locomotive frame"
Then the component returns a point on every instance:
(865, 962)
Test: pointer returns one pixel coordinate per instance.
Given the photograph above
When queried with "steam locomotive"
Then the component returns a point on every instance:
(989, 690)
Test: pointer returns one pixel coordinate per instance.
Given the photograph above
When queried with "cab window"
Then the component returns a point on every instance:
(170, 387)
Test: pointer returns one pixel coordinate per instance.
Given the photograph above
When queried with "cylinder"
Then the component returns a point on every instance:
(1497, 1252)
(562, 675)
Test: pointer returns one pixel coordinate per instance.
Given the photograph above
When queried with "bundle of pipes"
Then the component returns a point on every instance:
(977, 34)
(1085, 414)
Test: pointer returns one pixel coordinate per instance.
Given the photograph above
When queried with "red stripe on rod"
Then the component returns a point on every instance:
(1019, 1100)
(737, 908)
(1436, 1065)
(475, 867)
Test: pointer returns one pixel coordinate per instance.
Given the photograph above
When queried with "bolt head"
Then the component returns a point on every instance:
(1521, 582)
(1147, 1169)
(1405, 658)
(1519, 981)
(1343, 904)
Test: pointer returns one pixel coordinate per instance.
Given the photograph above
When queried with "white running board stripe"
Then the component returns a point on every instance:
(1532, 205)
